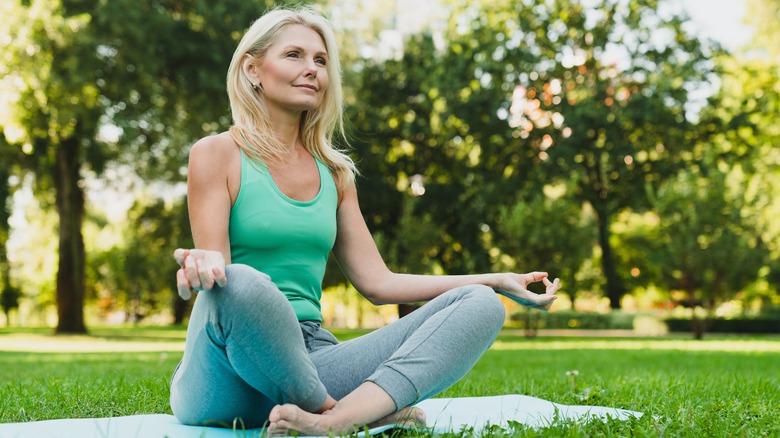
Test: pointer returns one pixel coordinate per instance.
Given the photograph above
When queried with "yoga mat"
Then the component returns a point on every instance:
(443, 414)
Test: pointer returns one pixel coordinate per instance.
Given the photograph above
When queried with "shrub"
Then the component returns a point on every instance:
(576, 320)
(731, 325)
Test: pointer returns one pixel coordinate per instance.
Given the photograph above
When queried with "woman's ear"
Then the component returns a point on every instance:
(252, 70)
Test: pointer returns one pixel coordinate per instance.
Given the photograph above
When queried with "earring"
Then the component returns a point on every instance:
(257, 87)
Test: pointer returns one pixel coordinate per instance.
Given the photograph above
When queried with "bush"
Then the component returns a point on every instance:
(770, 312)
(575, 320)
(733, 325)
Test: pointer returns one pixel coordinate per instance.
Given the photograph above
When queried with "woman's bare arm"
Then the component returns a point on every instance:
(363, 265)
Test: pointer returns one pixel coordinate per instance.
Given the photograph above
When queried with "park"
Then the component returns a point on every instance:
(606, 142)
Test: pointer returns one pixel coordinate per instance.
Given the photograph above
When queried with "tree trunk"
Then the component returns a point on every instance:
(613, 284)
(71, 269)
(181, 309)
(5, 227)
(699, 326)
(8, 298)
(531, 323)
(405, 309)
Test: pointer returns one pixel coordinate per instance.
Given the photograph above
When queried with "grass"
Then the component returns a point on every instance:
(724, 386)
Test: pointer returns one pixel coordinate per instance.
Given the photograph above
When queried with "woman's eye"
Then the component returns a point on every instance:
(321, 61)
(292, 55)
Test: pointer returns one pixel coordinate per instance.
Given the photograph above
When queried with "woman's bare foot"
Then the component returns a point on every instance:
(285, 419)
(408, 416)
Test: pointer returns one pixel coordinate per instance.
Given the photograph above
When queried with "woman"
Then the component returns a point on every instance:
(268, 201)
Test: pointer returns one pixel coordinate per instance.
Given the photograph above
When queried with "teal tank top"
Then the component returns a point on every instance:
(287, 239)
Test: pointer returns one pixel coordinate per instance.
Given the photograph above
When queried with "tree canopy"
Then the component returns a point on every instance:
(564, 136)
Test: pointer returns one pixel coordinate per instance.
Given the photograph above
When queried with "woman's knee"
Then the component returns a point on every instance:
(238, 272)
(246, 285)
(489, 304)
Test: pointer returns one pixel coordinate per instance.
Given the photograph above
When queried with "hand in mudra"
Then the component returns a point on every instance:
(515, 287)
(200, 270)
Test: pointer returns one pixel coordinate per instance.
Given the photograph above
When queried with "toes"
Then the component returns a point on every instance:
(419, 416)
(278, 430)
(274, 416)
(414, 416)
(278, 426)
(290, 419)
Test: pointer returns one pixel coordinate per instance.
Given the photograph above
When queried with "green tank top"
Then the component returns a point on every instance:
(287, 239)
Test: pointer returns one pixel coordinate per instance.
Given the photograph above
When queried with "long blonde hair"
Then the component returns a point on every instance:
(251, 128)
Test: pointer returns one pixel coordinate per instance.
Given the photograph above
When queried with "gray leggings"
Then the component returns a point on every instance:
(246, 352)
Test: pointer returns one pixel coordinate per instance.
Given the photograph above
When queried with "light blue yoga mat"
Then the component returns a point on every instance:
(444, 414)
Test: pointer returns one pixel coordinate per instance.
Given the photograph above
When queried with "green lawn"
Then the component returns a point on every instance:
(722, 386)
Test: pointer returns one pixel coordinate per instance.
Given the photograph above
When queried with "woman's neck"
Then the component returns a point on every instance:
(287, 129)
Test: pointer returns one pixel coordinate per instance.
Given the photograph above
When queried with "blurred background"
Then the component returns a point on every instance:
(629, 147)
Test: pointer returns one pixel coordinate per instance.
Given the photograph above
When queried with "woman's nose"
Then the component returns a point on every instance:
(311, 69)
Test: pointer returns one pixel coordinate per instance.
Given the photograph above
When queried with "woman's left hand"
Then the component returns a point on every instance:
(516, 286)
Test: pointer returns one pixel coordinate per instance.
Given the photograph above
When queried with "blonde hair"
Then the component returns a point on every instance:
(251, 128)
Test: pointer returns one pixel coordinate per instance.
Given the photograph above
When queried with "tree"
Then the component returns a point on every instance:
(406, 130)
(525, 94)
(56, 117)
(709, 242)
(159, 227)
(553, 232)
(137, 274)
(9, 300)
(740, 123)
(9, 295)
(604, 103)
(764, 17)
(155, 71)
(417, 242)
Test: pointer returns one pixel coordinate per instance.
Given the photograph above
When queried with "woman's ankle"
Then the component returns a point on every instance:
(337, 422)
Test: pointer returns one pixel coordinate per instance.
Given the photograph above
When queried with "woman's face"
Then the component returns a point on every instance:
(294, 73)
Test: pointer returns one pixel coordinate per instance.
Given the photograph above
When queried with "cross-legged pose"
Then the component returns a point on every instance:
(269, 200)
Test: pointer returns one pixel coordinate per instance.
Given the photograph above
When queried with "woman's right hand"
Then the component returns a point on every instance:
(515, 287)
(200, 270)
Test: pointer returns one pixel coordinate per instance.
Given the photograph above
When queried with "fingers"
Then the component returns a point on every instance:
(535, 276)
(198, 273)
(203, 269)
(518, 292)
(180, 254)
(191, 269)
(551, 286)
(182, 285)
(219, 276)
(212, 270)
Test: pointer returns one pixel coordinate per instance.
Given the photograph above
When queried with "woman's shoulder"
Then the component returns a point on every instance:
(221, 143)
(215, 155)
(215, 149)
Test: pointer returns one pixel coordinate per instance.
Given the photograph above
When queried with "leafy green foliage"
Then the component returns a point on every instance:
(709, 244)
(550, 234)
(525, 94)
(741, 124)
(9, 300)
(56, 113)
(509, 99)
(601, 103)
(155, 71)
(139, 276)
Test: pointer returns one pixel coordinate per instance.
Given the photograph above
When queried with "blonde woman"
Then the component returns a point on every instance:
(268, 201)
